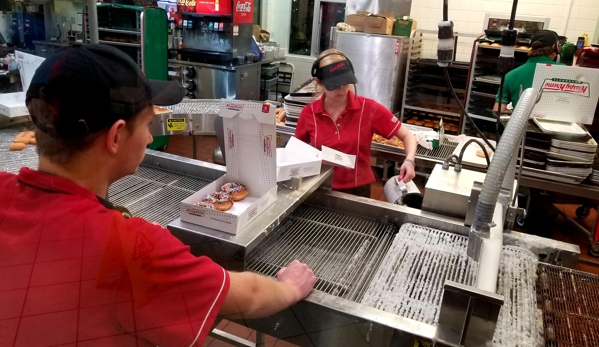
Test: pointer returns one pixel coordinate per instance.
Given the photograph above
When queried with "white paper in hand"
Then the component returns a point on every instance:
(336, 158)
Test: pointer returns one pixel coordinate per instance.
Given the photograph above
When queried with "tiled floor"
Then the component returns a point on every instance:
(563, 231)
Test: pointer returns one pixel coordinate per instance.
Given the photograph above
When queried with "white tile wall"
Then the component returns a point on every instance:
(468, 17)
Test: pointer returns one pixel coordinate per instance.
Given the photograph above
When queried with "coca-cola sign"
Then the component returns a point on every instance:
(244, 6)
(244, 11)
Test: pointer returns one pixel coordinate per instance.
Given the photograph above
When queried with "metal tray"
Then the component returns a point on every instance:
(568, 131)
(551, 176)
(565, 157)
(568, 163)
(581, 156)
(589, 146)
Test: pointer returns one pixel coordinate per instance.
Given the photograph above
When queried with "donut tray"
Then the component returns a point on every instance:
(12, 161)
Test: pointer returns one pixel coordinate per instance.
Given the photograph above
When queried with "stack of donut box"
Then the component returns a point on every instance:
(250, 150)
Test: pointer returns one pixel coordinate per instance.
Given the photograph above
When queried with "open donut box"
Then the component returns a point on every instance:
(250, 150)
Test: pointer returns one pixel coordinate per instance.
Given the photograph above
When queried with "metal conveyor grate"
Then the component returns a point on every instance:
(343, 251)
(445, 150)
(196, 107)
(154, 194)
(410, 281)
(570, 305)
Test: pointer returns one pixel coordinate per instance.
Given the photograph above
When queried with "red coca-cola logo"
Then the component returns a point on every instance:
(244, 6)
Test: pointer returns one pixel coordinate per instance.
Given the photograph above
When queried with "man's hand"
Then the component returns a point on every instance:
(299, 277)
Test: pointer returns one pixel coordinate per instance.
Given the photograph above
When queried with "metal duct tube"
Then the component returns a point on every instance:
(488, 264)
(92, 19)
(510, 175)
(506, 149)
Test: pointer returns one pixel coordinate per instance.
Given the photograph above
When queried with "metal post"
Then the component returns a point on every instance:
(195, 150)
(92, 21)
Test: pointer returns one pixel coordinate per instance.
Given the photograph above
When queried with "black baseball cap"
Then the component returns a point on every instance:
(547, 38)
(337, 74)
(92, 86)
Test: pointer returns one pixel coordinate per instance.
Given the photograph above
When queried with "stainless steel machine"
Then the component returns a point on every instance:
(209, 81)
(213, 53)
(380, 69)
(383, 270)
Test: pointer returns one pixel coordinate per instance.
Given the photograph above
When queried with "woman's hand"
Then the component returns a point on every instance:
(406, 172)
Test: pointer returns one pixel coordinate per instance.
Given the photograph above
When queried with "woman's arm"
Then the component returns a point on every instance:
(408, 168)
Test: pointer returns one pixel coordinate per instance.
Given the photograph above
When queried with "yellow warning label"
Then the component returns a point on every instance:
(418, 343)
(176, 124)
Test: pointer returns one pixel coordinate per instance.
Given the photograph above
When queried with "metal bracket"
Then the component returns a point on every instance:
(293, 183)
(475, 244)
(514, 211)
(468, 316)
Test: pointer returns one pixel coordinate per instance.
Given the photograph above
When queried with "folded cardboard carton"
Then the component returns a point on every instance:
(299, 159)
(381, 23)
(357, 20)
(250, 140)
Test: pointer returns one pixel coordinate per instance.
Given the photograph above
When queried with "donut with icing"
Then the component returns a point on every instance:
(220, 200)
(237, 191)
(204, 204)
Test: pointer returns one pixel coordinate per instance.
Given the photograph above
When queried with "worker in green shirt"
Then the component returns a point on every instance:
(544, 48)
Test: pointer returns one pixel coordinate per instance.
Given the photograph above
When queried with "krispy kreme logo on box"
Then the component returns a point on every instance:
(338, 157)
(195, 211)
(252, 213)
(230, 138)
(234, 107)
(567, 86)
(294, 171)
(267, 145)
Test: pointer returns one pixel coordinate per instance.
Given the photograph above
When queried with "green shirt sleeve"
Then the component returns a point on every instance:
(506, 94)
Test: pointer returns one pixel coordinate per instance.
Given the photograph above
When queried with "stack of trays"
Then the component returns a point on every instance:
(574, 168)
(594, 177)
(536, 149)
(581, 151)
(296, 101)
(573, 158)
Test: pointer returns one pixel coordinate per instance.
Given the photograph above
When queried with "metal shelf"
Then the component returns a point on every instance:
(486, 95)
(477, 79)
(126, 44)
(120, 31)
(421, 109)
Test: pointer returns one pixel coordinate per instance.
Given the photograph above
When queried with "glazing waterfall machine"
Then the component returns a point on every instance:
(381, 268)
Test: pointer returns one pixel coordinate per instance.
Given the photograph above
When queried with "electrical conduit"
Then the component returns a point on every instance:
(486, 209)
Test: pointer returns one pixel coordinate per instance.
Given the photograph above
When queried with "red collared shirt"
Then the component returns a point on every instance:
(351, 134)
(75, 272)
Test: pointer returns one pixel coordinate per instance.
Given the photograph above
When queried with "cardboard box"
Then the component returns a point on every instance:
(404, 27)
(250, 135)
(379, 24)
(256, 32)
(299, 159)
(570, 93)
(357, 20)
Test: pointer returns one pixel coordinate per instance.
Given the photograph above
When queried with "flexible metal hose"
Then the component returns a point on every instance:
(502, 160)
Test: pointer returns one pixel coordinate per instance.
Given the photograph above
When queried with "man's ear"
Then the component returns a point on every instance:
(114, 136)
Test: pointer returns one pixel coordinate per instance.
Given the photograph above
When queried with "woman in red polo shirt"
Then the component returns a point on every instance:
(346, 122)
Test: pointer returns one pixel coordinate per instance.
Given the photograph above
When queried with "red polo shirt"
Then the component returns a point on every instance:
(73, 271)
(351, 134)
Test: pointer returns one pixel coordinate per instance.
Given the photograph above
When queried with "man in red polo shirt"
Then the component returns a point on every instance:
(73, 270)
